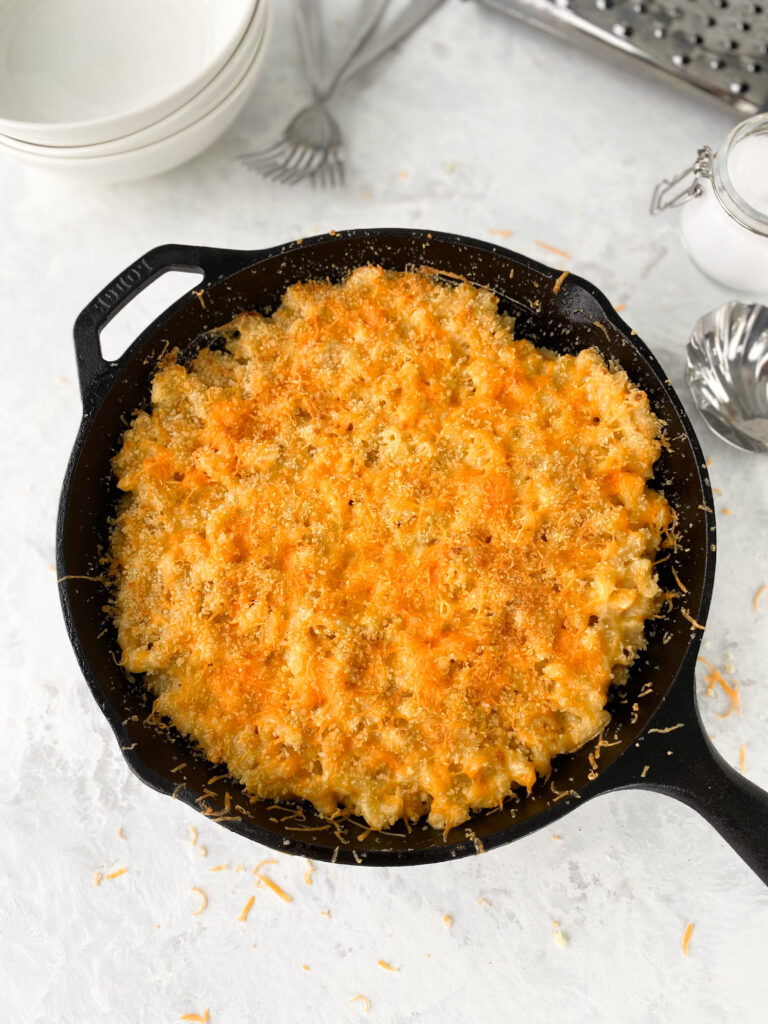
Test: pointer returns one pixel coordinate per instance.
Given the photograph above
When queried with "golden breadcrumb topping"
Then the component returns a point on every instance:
(379, 554)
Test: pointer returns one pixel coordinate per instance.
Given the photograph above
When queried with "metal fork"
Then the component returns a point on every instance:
(311, 145)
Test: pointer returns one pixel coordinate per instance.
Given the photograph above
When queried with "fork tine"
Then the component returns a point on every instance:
(278, 167)
(306, 164)
(260, 155)
(297, 176)
(302, 156)
(333, 171)
(264, 166)
(285, 177)
(308, 157)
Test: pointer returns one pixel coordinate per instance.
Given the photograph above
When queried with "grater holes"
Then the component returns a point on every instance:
(719, 46)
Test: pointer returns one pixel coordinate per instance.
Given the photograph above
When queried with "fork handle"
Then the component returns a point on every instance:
(406, 22)
(310, 35)
(372, 15)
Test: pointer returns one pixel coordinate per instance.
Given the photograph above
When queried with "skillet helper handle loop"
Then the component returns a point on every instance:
(92, 368)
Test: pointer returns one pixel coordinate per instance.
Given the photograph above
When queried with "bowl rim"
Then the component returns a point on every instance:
(239, 92)
(108, 127)
(208, 98)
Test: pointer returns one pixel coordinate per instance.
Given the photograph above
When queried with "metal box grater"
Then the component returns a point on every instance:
(718, 47)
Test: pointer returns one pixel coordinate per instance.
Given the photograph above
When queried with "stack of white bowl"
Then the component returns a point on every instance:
(105, 90)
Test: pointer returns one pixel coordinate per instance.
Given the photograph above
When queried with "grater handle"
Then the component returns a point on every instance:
(663, 199)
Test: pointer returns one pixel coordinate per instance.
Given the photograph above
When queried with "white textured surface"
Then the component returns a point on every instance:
(477, 125)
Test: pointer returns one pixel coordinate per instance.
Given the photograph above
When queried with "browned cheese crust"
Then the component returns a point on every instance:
(381, 555)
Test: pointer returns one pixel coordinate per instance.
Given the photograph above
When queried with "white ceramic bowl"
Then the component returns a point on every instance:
(77, 72)
(193, 110)
(167, 153)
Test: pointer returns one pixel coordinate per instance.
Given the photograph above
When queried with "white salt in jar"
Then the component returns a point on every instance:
(724, 222)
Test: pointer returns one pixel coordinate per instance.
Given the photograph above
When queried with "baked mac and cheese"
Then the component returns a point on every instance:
(381, 555)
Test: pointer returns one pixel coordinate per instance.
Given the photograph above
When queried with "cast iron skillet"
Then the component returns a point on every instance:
(656, 734)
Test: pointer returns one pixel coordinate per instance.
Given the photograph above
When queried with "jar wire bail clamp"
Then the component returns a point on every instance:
(699, 169)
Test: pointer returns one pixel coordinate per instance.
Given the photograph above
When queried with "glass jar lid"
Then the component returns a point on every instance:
(717, 168)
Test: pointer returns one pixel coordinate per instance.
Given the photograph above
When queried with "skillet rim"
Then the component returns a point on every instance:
(231, 262)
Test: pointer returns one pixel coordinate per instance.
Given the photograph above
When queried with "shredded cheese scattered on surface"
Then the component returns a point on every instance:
(115, 874)
(687, 937)
(715, 677)
(97, 878)
(275, 888)
(120, 833)
(364, 1000)
(205, 1018)
(484, 902)
(193, 834)
(261, 864)
(309, 872)
(305, 967)
(447, 920)
(325, 913)
(561, 938)
(219, 867)
(758, 595)
(386, 966)
(246, 909)
(552, 248)
(557, 838)
(644, 772)
(743, 758)
(203, 900)
(203, 851)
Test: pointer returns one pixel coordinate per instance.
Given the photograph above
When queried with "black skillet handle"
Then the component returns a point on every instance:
(92, 368)
(676, 757)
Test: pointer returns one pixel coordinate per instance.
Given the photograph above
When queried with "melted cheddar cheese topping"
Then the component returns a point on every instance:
(381, 555)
